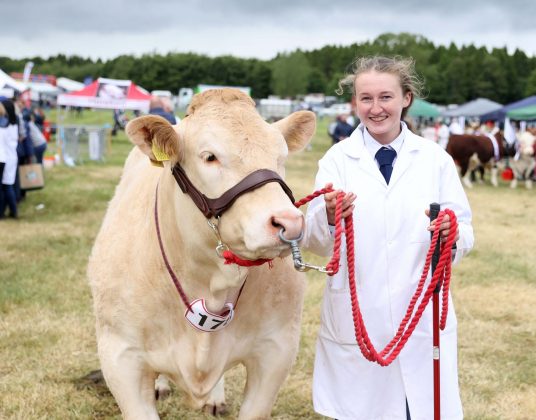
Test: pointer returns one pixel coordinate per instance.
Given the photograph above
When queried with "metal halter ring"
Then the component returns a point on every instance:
(296, 254)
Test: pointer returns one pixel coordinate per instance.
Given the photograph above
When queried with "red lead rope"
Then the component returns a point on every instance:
(411, 319)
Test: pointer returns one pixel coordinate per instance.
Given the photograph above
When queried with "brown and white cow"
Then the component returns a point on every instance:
(469, 151)
(141, 324)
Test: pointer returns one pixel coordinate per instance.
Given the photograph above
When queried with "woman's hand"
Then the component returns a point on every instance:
(331, 203)
(444, 229)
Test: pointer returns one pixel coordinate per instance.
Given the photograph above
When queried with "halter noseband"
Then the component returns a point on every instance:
(214, 207)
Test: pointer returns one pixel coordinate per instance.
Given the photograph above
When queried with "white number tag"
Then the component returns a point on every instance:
(206, 321)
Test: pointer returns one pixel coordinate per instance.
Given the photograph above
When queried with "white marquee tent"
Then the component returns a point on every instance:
(8, 85)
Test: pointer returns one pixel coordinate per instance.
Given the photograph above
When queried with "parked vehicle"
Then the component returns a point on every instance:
(273, 109)
(335, 110)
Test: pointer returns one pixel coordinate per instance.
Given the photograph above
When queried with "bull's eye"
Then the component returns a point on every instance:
(210, 158)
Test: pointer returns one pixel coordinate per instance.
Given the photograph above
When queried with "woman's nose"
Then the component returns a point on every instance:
(376, 108)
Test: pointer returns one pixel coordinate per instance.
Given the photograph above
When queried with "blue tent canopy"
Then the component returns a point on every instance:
(500, 114)
(474, 108)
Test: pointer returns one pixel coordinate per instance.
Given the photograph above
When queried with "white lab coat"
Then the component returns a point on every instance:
(391, 242)
(9, 137)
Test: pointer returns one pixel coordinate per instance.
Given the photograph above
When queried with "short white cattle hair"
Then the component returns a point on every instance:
(225, 96)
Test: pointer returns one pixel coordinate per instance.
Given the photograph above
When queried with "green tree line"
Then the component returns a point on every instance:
(452, 74)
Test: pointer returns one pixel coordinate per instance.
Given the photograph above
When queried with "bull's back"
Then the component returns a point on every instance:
(462, 147)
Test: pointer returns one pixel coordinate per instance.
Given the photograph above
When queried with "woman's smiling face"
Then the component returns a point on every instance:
(379, 104)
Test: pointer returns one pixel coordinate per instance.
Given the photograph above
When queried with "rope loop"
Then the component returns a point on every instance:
(408, 324)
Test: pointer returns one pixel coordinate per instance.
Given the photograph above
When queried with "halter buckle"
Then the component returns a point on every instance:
(221, 247)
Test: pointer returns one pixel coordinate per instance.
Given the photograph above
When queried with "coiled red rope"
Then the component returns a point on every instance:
(441, 275)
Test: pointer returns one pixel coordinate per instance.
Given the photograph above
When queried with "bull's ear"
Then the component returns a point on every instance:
(297, 128)
(155, 137)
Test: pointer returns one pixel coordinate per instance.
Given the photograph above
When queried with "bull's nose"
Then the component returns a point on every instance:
(291, 222)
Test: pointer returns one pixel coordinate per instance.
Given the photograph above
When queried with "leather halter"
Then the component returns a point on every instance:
(214, 207)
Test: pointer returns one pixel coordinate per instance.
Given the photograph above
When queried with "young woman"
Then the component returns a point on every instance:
(390, 177)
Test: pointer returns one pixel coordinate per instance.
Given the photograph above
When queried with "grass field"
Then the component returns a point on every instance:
(47, 338)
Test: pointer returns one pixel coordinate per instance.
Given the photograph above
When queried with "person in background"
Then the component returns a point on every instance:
(168, 107)
(3, 148)
(120, 121)
(443, 134)
(39, 141)
(9, 137)
(455, 127)
(39, 118)
(429, 132)
(342, 129)
(157, 108)
(395, 175)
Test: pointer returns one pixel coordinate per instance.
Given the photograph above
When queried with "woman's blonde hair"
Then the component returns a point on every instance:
(403, 68)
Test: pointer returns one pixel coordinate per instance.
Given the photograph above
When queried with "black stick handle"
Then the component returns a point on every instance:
(434, 212)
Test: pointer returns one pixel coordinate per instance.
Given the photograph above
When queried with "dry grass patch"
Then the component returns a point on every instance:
(47, 338)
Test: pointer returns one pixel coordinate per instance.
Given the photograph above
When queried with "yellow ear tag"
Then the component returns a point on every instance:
(156, 163)
(159, 154)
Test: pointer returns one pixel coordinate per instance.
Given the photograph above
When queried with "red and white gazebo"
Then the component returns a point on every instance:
(108, 94)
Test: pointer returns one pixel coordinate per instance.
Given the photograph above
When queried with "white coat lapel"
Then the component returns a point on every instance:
(407, 154)
(354, 146)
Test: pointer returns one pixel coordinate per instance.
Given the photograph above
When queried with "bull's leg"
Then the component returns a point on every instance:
(466, 176)
(528, 175)
(130, 381)
(494, 179)
(215, 404)
(467, 168)
(481, 171)
(265, 376)
(513, 183)
(161, 387)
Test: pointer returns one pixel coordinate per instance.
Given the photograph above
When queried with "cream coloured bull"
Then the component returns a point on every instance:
(141, 324)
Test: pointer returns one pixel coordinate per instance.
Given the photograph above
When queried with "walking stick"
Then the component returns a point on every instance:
(434, 211)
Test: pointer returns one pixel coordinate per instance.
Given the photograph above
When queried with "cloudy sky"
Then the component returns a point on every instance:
(253, 28)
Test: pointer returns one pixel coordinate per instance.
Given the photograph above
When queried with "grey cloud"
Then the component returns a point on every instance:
(205, 22)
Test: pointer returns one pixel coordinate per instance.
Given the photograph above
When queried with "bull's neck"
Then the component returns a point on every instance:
(190, 246)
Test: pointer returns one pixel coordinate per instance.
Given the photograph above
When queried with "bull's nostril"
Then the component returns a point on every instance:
(276, 224)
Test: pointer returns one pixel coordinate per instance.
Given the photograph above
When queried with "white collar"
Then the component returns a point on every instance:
(354, 146)
(372, 145)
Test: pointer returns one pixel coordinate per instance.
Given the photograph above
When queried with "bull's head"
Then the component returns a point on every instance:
(221, 141)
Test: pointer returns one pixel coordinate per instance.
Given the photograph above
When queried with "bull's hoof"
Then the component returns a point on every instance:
(217, 409)
(162, 394)
(162, 390)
